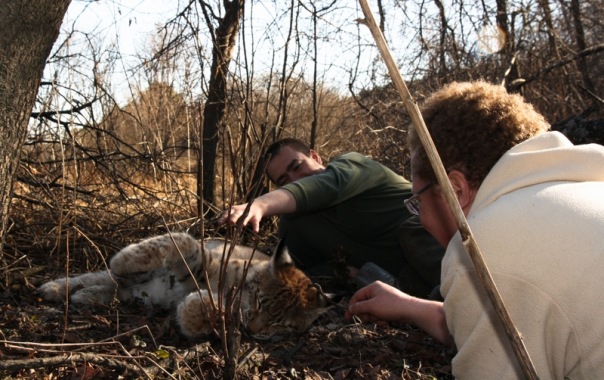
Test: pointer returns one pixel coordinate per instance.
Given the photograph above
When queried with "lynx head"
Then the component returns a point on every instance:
(287, 301)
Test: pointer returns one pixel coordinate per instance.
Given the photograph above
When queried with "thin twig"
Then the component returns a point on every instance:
(113, 362)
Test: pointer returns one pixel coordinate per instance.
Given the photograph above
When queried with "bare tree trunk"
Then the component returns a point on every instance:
(547, 17)
(575, 8)
(508, 52)
(224, 40)
(285, 76)
(502, 22)
(443, 36)
(315, 111)
(28, 30)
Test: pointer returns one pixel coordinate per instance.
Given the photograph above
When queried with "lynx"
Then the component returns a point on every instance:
(276, 297)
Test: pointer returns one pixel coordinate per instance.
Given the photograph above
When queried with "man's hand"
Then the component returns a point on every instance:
(253, 217)
(276, 202)
(380, 302)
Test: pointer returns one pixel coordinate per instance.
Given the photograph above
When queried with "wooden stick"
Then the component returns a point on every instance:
(466, 234)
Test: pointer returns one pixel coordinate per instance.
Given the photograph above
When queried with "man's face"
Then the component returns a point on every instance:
(290, 165)
(434, 212)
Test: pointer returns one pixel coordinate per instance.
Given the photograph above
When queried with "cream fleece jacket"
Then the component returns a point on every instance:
(538, 219)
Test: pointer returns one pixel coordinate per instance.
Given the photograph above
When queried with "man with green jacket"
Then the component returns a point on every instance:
(354, 205)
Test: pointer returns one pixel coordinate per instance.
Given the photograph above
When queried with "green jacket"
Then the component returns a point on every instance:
(357, 205)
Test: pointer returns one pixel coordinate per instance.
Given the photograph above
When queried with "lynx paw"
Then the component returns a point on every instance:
(53, 291)
(195, 315)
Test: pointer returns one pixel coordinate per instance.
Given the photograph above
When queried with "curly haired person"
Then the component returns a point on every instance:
(535, 204)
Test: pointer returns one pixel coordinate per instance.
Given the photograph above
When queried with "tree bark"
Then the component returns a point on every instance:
(502, 22)
(224, 42)
(28, 30)
(575, 8)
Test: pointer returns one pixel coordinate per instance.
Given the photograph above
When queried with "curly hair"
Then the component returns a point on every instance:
(472, 125)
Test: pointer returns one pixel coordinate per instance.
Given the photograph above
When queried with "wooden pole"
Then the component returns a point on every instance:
(466, 234)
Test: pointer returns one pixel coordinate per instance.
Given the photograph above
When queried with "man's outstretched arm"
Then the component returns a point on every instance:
(276, 202)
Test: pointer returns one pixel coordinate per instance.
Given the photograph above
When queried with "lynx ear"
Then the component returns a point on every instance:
(281, 257)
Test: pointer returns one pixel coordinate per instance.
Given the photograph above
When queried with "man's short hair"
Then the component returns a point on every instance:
(295, 144)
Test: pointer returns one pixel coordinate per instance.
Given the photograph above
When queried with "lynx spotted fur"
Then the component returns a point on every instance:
(276, 297)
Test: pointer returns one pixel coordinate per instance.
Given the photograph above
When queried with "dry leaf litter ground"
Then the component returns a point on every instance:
(41, 340)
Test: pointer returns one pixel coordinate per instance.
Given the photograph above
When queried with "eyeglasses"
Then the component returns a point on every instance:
(413, 202)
